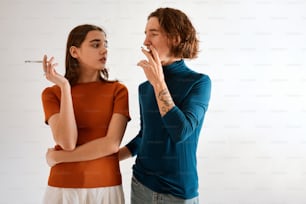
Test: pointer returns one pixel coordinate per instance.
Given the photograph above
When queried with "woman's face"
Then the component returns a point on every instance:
(92, 54)
(157, 38)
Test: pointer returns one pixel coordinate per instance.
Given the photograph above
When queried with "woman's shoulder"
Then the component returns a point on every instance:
(115, 84)
(51, 89)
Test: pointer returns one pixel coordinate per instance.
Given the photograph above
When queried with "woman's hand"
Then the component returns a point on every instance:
(152, 66)
(50, 72)
(50, 157)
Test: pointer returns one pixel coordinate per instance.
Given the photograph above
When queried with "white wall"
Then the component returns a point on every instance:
(253, 145)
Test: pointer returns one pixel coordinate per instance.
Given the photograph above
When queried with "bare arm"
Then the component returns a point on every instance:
(96, 148)
(63, 124)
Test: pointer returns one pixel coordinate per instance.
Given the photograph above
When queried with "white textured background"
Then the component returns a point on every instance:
(253, 145)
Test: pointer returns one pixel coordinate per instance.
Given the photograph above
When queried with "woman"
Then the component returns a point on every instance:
(81, 107)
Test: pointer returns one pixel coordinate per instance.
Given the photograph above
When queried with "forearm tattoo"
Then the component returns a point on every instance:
(167, 102)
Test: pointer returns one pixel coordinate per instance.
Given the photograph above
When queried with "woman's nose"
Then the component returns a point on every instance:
(103, 51)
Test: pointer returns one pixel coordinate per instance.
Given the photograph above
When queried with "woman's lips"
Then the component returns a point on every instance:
(103, 60)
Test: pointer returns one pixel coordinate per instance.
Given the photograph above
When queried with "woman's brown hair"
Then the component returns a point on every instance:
(177, 25)
(76, 37)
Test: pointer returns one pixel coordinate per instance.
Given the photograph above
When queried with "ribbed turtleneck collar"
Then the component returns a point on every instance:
(175, 67)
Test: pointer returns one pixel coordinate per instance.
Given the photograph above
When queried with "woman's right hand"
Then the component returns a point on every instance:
(51, 74)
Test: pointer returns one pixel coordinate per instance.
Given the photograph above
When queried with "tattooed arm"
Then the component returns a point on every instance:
(154, 73)
(164, 99)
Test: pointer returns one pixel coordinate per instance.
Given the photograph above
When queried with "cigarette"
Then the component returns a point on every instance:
(33, 61)
(146, 49)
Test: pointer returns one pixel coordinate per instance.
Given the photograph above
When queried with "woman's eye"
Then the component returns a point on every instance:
(95, 45)
(106, 44)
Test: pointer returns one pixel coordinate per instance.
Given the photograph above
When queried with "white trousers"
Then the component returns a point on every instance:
(103, 195)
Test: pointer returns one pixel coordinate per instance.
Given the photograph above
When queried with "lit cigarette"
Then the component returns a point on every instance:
(146, 49)
(33, 61)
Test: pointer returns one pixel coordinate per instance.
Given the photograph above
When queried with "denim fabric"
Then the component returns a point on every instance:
(141, 194)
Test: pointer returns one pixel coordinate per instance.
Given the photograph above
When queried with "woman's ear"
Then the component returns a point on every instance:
(73, 51)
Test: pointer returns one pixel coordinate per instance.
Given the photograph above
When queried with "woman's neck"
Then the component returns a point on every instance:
(89, 77)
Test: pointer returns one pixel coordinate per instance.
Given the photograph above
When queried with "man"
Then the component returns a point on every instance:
(173, 102)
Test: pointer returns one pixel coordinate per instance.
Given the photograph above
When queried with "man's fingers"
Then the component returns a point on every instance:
(147, 54)
(154, 53)
(143, 63)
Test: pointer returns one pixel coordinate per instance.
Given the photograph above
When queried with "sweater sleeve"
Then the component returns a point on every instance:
(182, 121)
(134, 144)
(50, 101)
(121, 101)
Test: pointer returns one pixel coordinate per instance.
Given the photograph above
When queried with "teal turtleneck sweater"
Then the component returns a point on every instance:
(166, 146)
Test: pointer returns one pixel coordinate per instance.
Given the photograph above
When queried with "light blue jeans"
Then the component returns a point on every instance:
(143, 195)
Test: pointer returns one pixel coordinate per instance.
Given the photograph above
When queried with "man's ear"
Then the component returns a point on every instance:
(73, 51)
(176, 40)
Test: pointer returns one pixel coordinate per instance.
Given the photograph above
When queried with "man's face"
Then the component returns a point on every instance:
(157, 38)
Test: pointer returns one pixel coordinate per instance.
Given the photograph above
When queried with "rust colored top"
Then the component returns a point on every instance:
(94, 104)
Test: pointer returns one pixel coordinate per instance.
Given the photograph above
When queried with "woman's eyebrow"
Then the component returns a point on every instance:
(95, 40)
